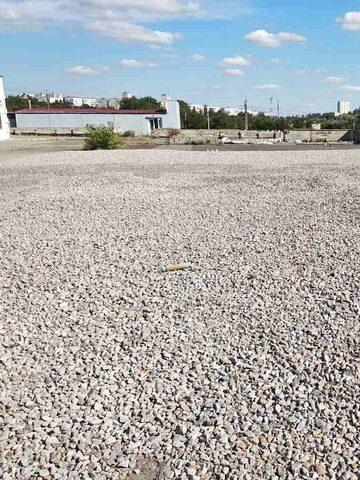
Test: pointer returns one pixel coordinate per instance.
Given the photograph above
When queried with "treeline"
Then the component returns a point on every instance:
(16, 102)
(145, 103)
(191, 119)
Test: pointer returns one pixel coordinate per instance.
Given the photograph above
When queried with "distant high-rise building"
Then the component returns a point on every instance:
(343, 107)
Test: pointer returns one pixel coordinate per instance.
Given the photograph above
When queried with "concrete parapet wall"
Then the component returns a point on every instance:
(212, 136)
(292, 136)
(78, 132)
(319, 135)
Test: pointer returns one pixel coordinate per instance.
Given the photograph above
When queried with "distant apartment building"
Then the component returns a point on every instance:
(75, 101)
(27, 95)
(114, 103)
(49, 97)
(90, 102)
(213, 108)
(343, 107)
(102, 103)
(197, 108)
(234, 112)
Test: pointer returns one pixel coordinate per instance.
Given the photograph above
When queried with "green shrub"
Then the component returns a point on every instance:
(102, 138)
(129, 133)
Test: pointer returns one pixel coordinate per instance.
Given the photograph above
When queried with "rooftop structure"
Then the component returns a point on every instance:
(4, 122)
(141, 121)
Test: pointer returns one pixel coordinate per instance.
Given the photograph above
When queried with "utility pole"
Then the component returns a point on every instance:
(271, 106)
(278, 108)
(354, 128)
(29, 102)
(208, 117)
(246, 114)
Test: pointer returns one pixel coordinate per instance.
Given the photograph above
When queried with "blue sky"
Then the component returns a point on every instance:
(303, 53)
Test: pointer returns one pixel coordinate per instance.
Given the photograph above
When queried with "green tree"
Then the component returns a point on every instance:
(15, 102)
(222, 120)
(102, 138)
(147, 103)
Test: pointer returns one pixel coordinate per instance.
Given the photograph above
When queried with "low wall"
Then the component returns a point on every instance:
(212, 136)
(320, 135)
(291, 136)
(76, 132)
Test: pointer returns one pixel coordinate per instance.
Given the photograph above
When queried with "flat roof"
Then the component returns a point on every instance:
(91, 111)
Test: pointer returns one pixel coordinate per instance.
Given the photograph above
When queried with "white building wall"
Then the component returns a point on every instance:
(4, 122)
(139, 123)
(172, 118)
(114, 103)
(91, 102)
(75, 101)
(197, 108)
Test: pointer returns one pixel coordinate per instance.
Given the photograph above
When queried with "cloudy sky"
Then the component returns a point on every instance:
(303, 53)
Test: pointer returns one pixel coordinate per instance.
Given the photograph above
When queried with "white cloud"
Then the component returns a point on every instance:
(10, 15)
(86, 70)
(334, 79)
(279, 61)
(119, 19)
(234, 71)
(236, 61)
(301, 72)
(271, 40)
(130, 62)
(350, 21)
(165, 6)
(217, 87)
(267, 86)
(130, 33)
(12, 19)
(321, 70)
(350, 88)
(197, 57)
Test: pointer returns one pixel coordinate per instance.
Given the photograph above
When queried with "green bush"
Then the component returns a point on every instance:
(102, 138)
(129, 133)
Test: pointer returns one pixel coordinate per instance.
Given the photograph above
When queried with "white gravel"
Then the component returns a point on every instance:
(245, 366)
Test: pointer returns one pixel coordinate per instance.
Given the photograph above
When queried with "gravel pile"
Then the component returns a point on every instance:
(244, 366)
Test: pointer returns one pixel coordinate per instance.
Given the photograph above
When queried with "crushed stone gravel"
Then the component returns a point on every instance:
(245, 366)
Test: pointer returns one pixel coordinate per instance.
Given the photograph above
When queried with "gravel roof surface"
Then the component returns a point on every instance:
(245, 366)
